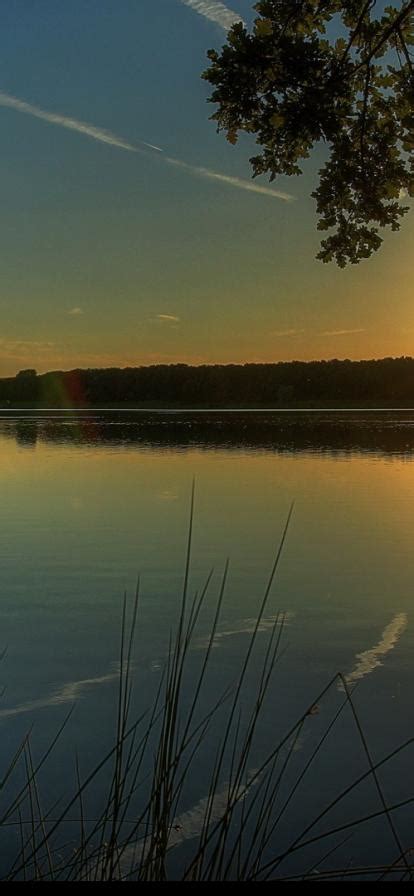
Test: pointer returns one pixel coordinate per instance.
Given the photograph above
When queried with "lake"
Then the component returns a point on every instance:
(92, 501)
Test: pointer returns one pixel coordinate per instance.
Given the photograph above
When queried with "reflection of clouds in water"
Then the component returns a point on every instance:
(245, 627)
(73, 690)
(371, 659)
(240, 627)
(190, 824)
(68, 693)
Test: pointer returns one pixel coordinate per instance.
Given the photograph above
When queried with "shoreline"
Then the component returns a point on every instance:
(158, 410)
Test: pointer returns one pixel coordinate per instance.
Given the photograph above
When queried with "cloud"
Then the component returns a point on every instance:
(75, 312)
(142, 147)
(250, 185)
(172, 358)
(21, 353)
(21, 348)
(214, 11)
(342, 332)
(72, 124)
(168, 318)
(371, 659)
(287, 332)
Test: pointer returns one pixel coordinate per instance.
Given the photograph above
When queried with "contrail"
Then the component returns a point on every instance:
(103, 136)
(239, 182)
(12, 102)
(215, 11)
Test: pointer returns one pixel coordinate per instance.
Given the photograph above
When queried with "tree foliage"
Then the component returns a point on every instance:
(388, 381)
(293, 82)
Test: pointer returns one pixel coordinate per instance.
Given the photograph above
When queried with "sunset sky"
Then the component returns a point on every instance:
(117, 253)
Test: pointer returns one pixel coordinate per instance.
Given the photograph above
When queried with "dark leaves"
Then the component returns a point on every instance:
(292, 87)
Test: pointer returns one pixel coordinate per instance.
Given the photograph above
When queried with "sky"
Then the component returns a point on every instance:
(131, 232)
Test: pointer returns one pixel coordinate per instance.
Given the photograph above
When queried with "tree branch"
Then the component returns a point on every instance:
(405, 50)
(392, 28)
(367, 8)
(364, 115)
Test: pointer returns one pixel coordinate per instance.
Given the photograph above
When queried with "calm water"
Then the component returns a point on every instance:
(91, 502)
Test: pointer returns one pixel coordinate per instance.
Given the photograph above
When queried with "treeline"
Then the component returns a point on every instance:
(389, 381)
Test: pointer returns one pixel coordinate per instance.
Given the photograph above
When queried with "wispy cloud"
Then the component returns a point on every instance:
(287, 332)
(214, 11)
(22, 348)
(173, 358)
(75, 312)
(103, 136)
(168, 318)
(250, 185)
(72, 124)
(371, 659)
(342, 332)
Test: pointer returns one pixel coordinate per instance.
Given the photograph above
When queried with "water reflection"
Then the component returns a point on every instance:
(68, 693)
(105, 497)
(369, 660)
(386, 432)
(245, 627)
(26, 433)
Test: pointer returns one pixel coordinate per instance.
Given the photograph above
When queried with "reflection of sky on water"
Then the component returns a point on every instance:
(370, 659)
(366, 662)
(81, 517)
(69, 693)
(245, 627)
(189, 824)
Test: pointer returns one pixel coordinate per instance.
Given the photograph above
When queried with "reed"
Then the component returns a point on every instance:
(137, 836)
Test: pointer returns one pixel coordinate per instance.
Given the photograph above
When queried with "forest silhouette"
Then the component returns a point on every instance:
(387, 382)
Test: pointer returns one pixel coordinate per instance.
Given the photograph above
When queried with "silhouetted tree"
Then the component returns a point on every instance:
(28, 374)
(25, 386)
(288, 383)
(294, 82)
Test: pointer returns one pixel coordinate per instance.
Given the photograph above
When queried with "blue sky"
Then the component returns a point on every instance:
(116, 257)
